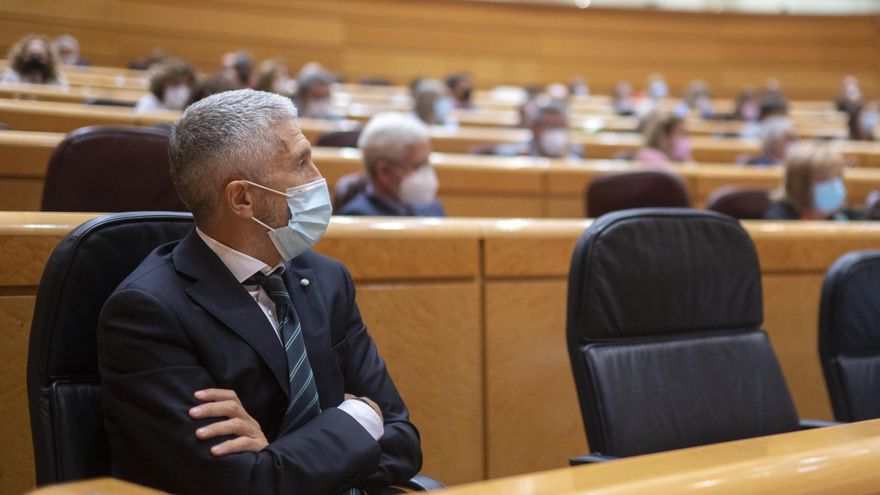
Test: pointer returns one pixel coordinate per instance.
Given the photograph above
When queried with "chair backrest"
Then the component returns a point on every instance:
(664, 334)
(64, 391)
(339, 139)
(347, 187)
(642, 189)
(849, 335)
(111, 169)
(740, 202)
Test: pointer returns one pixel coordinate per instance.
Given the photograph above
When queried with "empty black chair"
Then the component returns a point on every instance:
(107, 169)
(739, 202)
(339, 139)
(64, 391)
(64, 388)
(849, 335)
(643, 189)
(664, 334)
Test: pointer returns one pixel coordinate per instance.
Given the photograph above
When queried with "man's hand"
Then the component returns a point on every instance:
(369, 403)
(224, 403)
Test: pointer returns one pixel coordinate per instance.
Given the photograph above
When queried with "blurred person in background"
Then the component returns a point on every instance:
(550, 134)
(812, 187)
(272, 76)
(849, 94)
(396, 151)
(171, 87)
(461, 87)
(622, 99)
(698, 98)
(747, 106)
(432, 102)
(666, 141)
(578, 86)
(777, 138)
(32, 60)
(67, 48)
(211, 85)
(862, 120)
(313, 93)
(238, 67)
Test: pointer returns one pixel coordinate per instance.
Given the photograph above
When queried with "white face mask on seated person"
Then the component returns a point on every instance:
(310, 212)
(554, 142)
(176, 97)
(419, 187)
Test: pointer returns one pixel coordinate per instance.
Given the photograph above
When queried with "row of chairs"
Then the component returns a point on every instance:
(666, 342)
(126, 169)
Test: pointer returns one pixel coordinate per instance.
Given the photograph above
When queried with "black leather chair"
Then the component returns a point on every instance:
(111, 169)
(347, 187)
(642, 189)
(849, 335)
(64, 390)
(664, 335)
(339, 139)
(739, 202)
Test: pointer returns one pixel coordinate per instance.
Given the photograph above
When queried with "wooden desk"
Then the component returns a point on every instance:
(486, 295)
(102, 486)
(470, 185)
(73, 94)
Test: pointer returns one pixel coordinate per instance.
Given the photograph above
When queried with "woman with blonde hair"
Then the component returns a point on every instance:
(813, 187)
(32, 60)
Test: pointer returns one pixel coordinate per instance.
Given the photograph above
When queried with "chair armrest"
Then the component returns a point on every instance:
(590, 459)
(809, 424)
(423, 483)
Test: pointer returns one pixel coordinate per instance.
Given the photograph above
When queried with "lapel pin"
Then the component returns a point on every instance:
(304, 282)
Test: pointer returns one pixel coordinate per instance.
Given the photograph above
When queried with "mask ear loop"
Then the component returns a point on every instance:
(265, 188)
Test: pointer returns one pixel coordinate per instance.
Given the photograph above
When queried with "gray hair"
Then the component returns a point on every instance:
(224, 137)
(389, 135)
(775, 129)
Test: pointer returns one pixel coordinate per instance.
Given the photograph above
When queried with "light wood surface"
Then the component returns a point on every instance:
(486, 295)
(501, 43)
(101, 486)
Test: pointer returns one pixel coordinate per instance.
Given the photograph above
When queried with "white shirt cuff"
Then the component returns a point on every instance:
(365, 416)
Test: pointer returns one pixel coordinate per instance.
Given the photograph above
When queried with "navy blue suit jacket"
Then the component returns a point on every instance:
(366, 204)
(181, 322)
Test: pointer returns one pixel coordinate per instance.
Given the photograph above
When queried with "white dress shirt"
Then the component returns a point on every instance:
(242, 267)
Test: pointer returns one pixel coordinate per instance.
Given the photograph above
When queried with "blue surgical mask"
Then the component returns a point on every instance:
(869, 120)
(828, 196)
(443, 109)
(310, 211)
(658, 89)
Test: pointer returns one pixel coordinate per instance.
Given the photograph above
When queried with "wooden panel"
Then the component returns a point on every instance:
(438, 373)
(20, 194)
(16, 454)
(534, 420)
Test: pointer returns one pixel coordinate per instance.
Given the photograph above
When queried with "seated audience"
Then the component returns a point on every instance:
(747, 106)
(235, 360)
(777, 138)
(272, 76)
(313, 93)
(156, 56)
(578, 86)
(666, 140)
(862, 120)
(432, 102)
(218, 83)
(461, 87)
(813, 187)
(67, 48)
(238, 68)
(771, 106)
(622, 99)
(550, 138)
(401, 180)
(32, 60)
(171, 85)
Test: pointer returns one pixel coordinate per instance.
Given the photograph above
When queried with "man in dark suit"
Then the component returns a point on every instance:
(236, 361)
(401, 180)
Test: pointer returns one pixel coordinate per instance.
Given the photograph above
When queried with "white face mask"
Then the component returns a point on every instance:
(419, 187)
(318, 109)
(554, 142)
(176, 97)
(310, 212)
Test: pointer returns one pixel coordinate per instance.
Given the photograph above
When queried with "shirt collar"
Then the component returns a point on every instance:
(241, 265)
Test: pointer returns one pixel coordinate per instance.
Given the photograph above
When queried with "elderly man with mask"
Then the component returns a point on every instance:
(236, 360)
(402, 182)
(550, 136)
(777, 138)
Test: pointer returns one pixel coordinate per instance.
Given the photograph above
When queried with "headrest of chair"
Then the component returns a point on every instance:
(660, 271)
(80, 275)
(850, 319)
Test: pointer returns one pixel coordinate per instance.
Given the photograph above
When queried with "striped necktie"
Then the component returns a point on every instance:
(303, 405)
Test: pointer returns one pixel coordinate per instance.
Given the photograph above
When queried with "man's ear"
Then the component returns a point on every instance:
(240, 198)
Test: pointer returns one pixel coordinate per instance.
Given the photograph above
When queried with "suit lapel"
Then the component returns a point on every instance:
(219, 293)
